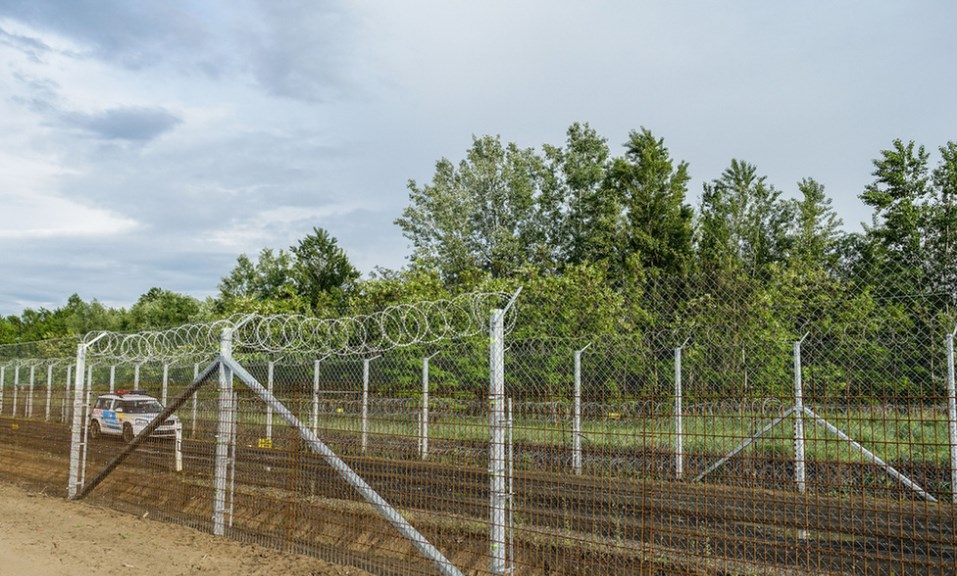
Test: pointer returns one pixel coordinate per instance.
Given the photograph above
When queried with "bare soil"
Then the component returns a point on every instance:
(47, 535)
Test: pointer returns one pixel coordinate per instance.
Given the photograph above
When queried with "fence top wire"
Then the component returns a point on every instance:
(399, 326)
(40, 353)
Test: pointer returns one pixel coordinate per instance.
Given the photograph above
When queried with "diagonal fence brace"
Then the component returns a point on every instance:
(173, 406)
(346, 472)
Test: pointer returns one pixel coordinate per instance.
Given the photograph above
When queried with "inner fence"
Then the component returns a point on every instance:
(807, 452)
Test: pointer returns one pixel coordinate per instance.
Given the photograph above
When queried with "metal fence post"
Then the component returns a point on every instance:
(577, 413)
(498, 495)
(16, 386)
(193, 423)
(113, 378)
(86, 418)
(315, 397)
(365, 402)
(424, 421)
(270, 380)
(952, 414)
(75, 433)
(799, 470)
(679, 429)
(136, 376)
(46, 412)
(679, 415)
(64, 416)
(165, 383)
(29, 403)
(223, 433)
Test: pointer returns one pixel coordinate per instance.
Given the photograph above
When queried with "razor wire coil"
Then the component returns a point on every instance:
(398, 326)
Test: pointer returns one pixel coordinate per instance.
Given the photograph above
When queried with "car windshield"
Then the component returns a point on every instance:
(141, 406)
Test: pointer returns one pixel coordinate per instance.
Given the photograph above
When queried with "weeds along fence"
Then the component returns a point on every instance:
(440, 438)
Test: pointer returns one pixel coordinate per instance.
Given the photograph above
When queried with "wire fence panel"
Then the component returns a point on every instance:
(716, 443)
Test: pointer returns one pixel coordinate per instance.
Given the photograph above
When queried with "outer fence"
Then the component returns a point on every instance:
(698, 452)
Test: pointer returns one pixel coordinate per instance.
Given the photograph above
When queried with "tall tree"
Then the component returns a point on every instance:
(160, 308)
(266, 285)
(656, 227)
(322, 271)
(897, 195)
(817, 228)
(942, 223)
(576, 209)
(477, 215)
(742, 222)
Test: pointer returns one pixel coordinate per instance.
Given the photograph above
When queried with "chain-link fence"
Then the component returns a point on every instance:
(719, 435)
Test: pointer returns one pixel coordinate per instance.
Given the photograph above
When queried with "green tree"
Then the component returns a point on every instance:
(817, 228)
(942, 223)
(743, 222)
(477, 215)
(579, 214)
(657, 223)
(267, 285)
(158, 308)
(897, 195)
(322, 271)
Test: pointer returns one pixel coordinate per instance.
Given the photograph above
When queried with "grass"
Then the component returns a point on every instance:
(920, 436)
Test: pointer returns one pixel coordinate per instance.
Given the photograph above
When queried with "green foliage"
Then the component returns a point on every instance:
(322, 272)
(656, 230)
(160, 308)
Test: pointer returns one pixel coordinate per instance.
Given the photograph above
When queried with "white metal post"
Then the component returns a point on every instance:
(679, 416)
(577, 413)
(29, 402)
(165, 383)
(66, 394)
(233, 425)
(46, 412)
(178, 458)
(269, 386)
(315, 397)
(223, 432)
(365, 402)
(16, 385)
(136, 377)
(113, 378)
(952, 415)
(497, 489)
(73, 481)
(799, 471)
(193, 423)
(424, 419)
(86, 418)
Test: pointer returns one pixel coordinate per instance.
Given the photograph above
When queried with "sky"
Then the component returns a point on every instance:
(148, 144)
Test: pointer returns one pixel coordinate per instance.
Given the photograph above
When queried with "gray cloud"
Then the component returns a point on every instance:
(303, 50)
(135, 124)
(267, 118)
(33, 48)
(133, 34)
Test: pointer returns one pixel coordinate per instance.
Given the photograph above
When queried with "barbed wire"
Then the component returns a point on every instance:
(399, 326)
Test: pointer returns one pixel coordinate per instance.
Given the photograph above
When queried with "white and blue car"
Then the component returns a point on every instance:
(126, 413)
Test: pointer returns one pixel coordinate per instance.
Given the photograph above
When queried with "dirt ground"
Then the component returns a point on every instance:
(49, 536)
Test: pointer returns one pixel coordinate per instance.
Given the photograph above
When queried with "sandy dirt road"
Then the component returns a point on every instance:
(43, 535)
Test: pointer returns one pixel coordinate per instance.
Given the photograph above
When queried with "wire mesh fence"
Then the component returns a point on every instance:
(719, 442)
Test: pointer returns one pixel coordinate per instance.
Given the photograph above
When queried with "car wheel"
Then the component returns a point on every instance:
(127, 433)
(94, 430)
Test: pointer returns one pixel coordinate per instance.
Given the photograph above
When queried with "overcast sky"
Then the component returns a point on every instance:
(151, 143)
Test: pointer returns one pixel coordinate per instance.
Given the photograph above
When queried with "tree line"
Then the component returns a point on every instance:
(611, 245)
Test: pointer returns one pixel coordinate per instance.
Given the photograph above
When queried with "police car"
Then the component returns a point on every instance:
(126, 413)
